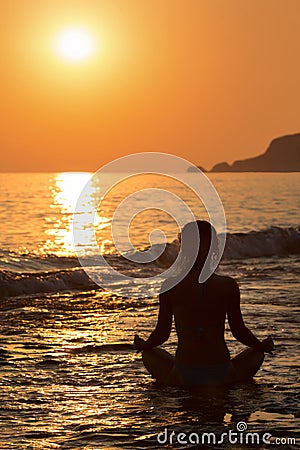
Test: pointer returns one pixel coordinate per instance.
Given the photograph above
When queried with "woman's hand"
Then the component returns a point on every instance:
(139, 343)
(268, 344)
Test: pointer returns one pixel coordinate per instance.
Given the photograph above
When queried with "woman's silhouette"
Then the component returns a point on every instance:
(199, 310)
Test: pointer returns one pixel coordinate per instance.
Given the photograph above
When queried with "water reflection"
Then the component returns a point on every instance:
(65, 190)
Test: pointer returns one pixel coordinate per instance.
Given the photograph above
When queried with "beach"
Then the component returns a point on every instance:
(63, 387)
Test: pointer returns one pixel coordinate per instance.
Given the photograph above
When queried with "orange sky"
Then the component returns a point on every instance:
(206, 80)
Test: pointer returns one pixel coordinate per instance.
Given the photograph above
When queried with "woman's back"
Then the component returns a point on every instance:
(200, 313)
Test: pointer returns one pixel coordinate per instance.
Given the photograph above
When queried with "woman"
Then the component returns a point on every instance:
(199, 310)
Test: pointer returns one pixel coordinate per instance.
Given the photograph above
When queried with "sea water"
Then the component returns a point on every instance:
(63, 387)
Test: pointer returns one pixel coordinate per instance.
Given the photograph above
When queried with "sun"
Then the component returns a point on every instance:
(75, 44)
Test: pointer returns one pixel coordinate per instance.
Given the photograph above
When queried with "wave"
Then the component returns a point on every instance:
(274, 241)
(103, 348)
(13, 284)
(66, 274)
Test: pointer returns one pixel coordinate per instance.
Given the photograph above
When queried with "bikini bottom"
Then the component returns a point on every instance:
(213, 374)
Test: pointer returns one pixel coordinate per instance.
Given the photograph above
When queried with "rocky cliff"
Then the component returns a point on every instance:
(282, 155)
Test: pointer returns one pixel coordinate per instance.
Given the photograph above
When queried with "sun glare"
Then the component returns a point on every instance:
(75, 44)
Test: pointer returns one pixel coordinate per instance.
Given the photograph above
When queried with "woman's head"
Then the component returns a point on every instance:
(202, 235)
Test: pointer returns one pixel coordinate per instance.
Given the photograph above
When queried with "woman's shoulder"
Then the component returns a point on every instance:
(224, 281)
(169, 284)
(174, 286)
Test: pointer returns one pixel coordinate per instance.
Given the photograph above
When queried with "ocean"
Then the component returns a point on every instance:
(64, 386)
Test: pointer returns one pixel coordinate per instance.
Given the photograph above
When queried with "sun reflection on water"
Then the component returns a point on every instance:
(92, 219)
(65, 191)
(68, 186)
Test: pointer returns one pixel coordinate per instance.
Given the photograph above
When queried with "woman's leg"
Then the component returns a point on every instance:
(247, 363)
(161, 365)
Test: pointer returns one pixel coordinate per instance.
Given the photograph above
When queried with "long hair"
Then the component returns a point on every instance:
(198, 243)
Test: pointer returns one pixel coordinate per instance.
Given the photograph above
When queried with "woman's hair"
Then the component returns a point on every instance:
(202, 234)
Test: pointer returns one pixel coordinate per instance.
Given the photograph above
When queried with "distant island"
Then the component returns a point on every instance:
(195, 169)
(282, 155)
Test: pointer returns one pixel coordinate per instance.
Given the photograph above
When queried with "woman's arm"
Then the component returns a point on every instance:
(163, 327)
(236, 322)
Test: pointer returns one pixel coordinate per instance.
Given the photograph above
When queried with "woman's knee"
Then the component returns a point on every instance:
(247, 364)
(158, 362)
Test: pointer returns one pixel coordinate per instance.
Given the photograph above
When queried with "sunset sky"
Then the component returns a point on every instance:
(208, 80)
